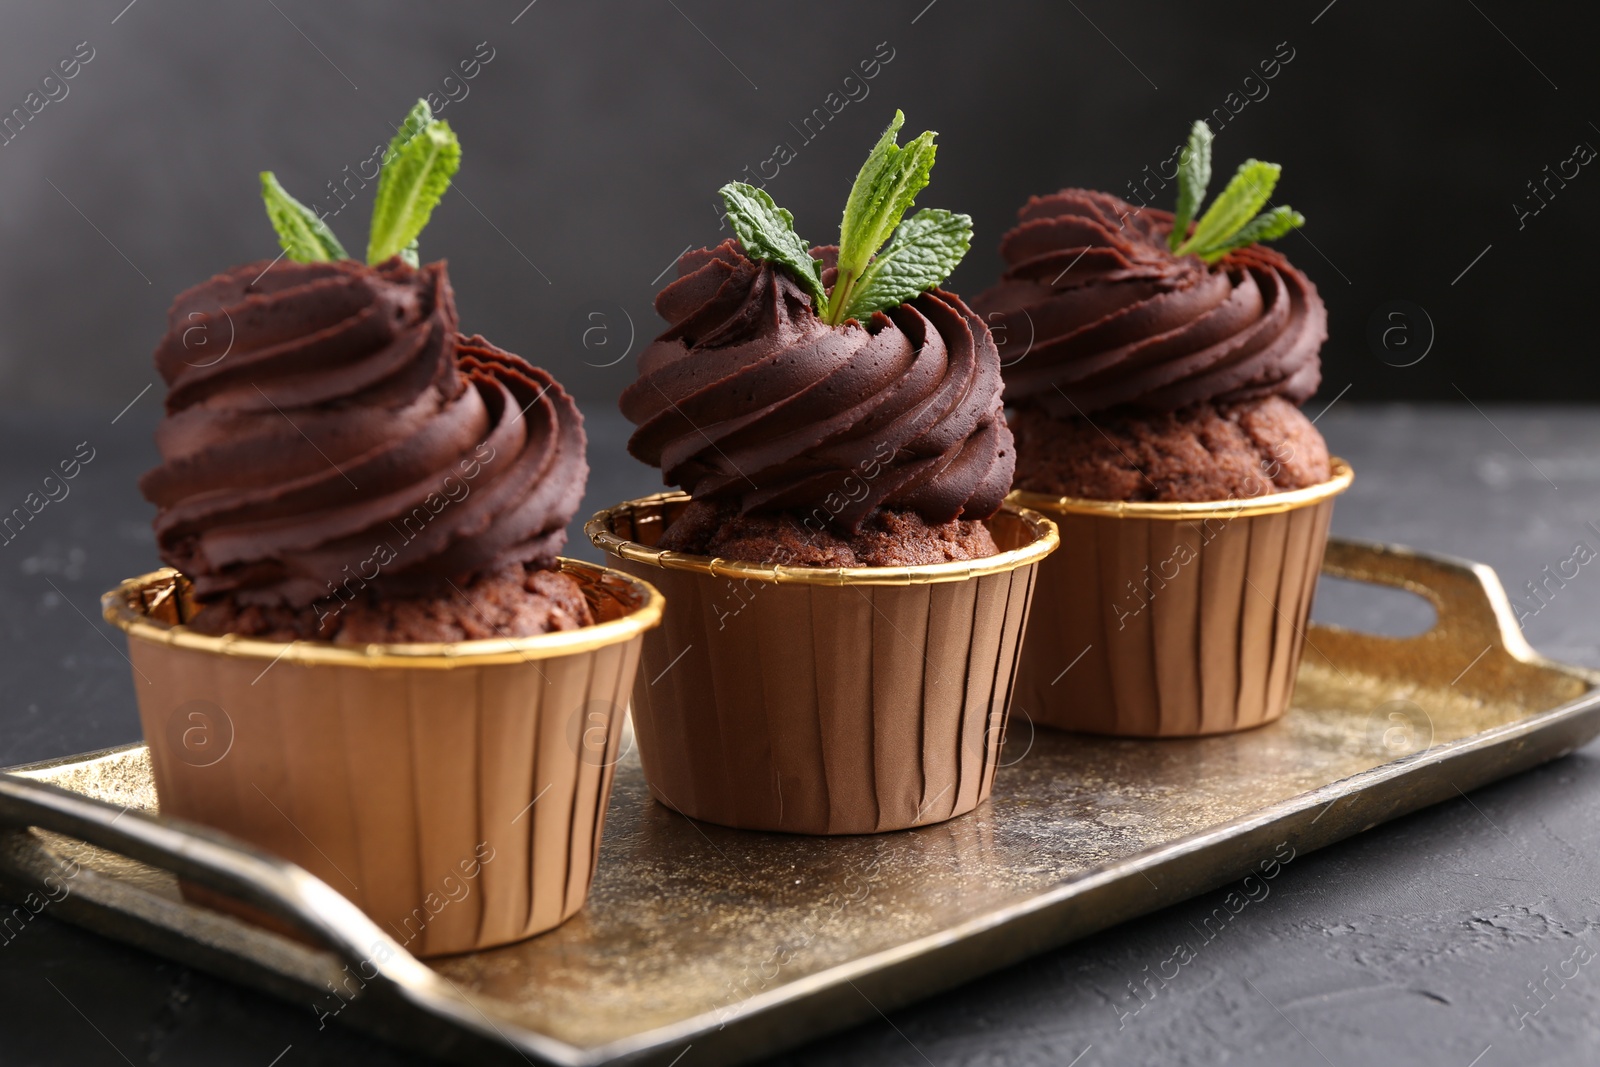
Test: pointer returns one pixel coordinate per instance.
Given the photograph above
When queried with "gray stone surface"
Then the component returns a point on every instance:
(1414, 943)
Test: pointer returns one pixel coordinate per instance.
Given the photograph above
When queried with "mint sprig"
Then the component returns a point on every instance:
(416, 120)
(1194, 174)
(422, 157)
(409, 188)
(921, 251)
(1267, 227)
(1233, 220)
(884, 189)
(925, 249)
(305, 238)
(767, 233)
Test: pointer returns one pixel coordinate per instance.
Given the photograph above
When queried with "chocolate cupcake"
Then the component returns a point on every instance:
(848, 591)
(361, 510)
(357, 471)
(1156, 411)
(880, 441)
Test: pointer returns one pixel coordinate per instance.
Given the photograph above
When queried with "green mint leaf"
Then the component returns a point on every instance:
(884, 189)
(419, 118)
(923, 252)
(304, 237)
(767, 233)
(1266, 227)
(1194, 174)
(1250, 188)
(410, 187)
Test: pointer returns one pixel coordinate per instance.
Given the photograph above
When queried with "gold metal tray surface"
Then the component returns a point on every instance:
(739, 944)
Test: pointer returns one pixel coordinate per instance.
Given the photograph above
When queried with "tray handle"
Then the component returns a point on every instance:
(1474, 615)
(218, 862)
(401, 996)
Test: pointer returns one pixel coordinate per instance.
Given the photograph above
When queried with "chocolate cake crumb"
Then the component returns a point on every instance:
(515, 600)
(888, 538)
(1199, 453)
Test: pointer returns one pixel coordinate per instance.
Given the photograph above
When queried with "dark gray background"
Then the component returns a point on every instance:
(597, 136)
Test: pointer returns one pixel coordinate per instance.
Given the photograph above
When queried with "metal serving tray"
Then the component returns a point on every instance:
(739, 944)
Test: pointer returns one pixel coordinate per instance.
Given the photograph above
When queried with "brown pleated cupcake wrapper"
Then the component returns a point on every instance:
(456, 793)
(837, 701)
(1173, 620)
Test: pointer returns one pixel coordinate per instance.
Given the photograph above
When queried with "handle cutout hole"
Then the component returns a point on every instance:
(1371, 609)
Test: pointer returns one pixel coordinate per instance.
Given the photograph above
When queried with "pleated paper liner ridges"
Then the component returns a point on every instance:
(825, 701)
(456, 793)
(1174, 620)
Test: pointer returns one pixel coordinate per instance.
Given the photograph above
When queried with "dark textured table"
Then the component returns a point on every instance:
(1420, 942)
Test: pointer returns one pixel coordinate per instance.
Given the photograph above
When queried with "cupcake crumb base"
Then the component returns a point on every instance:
(1202, 452)
(888, 538)
(515, 600)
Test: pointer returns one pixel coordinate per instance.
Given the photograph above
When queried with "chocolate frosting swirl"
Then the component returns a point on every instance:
(749, 397)
(1114, 318)
(326, 423)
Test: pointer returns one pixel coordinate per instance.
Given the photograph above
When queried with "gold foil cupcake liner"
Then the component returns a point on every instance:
(455, 792)
(1174, 619)
(825, 700)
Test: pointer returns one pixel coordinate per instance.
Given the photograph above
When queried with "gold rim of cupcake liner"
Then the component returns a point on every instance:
(129, 606)
(1045, 539)
(1268, 504)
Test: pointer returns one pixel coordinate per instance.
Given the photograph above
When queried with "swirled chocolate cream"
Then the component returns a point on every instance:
(1149, 355)
(340, 463)
(827, 406)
